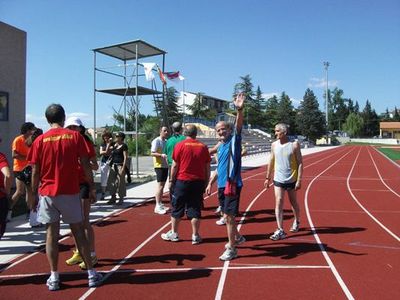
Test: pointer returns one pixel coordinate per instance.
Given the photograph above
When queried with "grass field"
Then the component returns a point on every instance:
(392, 153)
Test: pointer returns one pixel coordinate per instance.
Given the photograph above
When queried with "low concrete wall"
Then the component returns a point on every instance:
(376, 141)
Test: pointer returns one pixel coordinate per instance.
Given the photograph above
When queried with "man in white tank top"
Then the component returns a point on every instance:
(287, 165)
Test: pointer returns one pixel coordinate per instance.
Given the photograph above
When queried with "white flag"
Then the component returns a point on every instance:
(148, 70)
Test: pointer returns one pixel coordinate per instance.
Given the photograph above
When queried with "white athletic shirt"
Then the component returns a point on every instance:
(285, 168)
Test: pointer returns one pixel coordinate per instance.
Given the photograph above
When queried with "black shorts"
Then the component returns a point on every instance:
(229, 204)
(187, 196)
(285, 186)
(161, 174)
(84, 190)
(3, 215)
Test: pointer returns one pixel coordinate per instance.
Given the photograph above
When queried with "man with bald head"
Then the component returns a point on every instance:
(228, 176)
(189, 176)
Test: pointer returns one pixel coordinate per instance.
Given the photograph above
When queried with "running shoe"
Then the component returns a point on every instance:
(166, 208)
(76, 258)
(279, 234)
(170, 236)
(196, 239)
(295, 226)
(103, 195)
(221, 221)
(238, 241)
(53, 284)
(218, 210)
(159, 209)
(95, 280)
(229, 254)
(112, 200)
(82, 265)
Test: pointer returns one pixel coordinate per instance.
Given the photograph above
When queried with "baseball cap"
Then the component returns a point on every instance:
(73, 121)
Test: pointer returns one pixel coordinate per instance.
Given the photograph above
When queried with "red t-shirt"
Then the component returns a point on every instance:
(3, 163)
(56, 153)
(191, 156)
(92, 153)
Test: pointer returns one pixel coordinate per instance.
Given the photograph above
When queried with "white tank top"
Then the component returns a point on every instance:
(285, 168)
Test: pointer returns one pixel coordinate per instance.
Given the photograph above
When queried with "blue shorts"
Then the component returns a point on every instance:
(229, 204)
(187, 196)
(285, 186)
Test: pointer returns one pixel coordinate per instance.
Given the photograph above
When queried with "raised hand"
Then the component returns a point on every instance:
(239, 101)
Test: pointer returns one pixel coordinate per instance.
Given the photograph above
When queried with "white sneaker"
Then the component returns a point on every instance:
(95, 280)
(221, 221)
(159, 210)
(279, 234)
(295, 227)
(170, 236)
(166, 208)
(238, 241)
(196, 239)
(229, 254)
(218, 210)
(53, 284)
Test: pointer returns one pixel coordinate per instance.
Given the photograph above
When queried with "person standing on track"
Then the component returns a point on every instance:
(228, 176)
(189, 176)
(174, 139)
(287, 164)
(88, 196)
(20, 151)
(160, 167)
(54, 157)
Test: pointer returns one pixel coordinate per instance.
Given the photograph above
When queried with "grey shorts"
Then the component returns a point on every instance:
(69, 207)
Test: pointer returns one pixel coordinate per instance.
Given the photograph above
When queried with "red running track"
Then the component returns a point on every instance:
(348, 245)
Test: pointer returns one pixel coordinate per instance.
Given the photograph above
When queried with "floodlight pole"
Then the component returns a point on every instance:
(183, 102)
(326, 65)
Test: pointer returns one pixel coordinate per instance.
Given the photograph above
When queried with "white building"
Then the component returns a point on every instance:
(187, 98)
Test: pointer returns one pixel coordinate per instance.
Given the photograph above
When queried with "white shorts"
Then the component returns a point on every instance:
(104, 170)
(69, 207)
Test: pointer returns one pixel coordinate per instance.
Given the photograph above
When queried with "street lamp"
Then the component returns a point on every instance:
(326, 65)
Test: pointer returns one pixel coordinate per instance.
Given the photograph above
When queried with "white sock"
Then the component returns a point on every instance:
(91, 272)
(54, 275)
(93, 254)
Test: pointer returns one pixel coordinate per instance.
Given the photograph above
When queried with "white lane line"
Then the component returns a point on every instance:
(359, 244)
(222, 278)
(362, 207)
(171, 270)
(380, 176)
(315, 234)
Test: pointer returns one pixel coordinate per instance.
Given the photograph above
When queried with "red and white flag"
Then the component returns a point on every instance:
(174, 76)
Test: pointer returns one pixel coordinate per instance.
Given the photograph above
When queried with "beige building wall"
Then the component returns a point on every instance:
(13, 82)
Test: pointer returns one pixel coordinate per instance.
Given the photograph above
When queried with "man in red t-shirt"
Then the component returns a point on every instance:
(190, 173)
(5, 189)
(54, 158)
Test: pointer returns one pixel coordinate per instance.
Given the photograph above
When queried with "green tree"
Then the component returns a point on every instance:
(339, 110)
(271, 113)
(371, 121)
(310, 120)
(172, 106)
(199, 109)
(246, 86)
(354, 125)
(286, 112)
(256, 110)
(396, 116)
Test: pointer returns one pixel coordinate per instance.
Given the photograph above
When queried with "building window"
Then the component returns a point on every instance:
(3, 106)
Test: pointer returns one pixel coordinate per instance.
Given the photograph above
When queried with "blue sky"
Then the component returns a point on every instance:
(281, 44)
